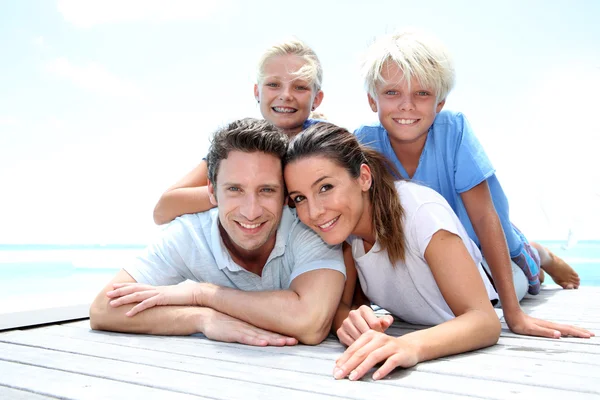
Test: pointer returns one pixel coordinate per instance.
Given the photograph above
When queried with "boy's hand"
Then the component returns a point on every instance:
(359, 321)
(523, 324)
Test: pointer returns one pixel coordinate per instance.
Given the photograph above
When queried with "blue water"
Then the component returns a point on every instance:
(44, 268)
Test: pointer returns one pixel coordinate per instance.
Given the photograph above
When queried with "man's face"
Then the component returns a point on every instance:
(250, 194)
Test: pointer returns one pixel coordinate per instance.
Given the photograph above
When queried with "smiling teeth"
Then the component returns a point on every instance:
(328, 224)
(406, 121)
(249, 226)
(284, 110)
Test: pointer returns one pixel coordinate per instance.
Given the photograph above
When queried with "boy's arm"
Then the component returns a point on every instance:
(483, 216)
(176, 320)
(189, 195)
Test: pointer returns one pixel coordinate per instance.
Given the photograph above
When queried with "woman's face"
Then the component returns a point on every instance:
(328, 199)
(286, 99)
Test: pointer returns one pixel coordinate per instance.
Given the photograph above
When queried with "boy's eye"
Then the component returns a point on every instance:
(302, 87)
(422, 93)
(271, 84)
(391, 92)
(325, 188)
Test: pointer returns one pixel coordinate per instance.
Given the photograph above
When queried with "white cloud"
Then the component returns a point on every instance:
(93, 77)
(40, 42)
(88, 13)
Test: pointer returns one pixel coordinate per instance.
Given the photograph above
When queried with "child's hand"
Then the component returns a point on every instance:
(360, 321)
(523, 324)
(372, 348)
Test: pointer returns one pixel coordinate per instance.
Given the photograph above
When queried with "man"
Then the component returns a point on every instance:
(261, 277)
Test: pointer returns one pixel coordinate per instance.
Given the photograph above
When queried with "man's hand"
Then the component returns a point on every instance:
(150, 296)
(222, 327)
(359, 321)
(523, 324)
(372, 348)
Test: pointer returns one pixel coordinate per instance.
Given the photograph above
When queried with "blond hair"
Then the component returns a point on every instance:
(311, 70)
(417, 54)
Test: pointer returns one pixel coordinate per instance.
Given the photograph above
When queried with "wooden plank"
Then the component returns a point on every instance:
(504, 381)
(11, 320)
(16, 394)
(65, 385)
(222, 380)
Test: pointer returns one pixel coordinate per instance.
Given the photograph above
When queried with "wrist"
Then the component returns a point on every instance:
(204, 294)
(202, 318)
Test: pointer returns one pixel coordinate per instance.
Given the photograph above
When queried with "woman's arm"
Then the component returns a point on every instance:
(460, 283)
(189, 195)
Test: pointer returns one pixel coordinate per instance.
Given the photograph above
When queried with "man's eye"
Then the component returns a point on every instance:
(233, 189)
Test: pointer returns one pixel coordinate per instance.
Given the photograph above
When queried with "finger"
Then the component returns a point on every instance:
(388, 366)
(360, 323)
(362, 340)
(386, 321)
(123, 284)
(376, 355)
(136, 297)
(344, 338)
(357, 353)
(370, 319)
(350, 329)
(144, 305)
(567, 330)
(122, 291)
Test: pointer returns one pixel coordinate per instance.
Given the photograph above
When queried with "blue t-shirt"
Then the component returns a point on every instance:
(311, 122)
(452, 162)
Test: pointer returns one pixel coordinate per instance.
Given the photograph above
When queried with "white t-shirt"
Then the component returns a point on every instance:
(408, 289)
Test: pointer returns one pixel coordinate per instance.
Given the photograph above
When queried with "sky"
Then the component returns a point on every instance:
(104, 104)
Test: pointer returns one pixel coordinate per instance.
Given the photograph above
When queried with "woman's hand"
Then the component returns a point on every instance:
(372, 348)
(360, 321)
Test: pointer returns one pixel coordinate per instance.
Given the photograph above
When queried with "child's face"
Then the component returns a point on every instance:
(285, 99)
(405, 114)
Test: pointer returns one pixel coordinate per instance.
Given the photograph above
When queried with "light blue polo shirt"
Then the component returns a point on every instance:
(191, 247)
(452, 162)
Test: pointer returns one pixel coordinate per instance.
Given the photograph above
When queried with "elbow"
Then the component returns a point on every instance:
(492, 328)
(313, 331)
(158, 215)
(97, 317)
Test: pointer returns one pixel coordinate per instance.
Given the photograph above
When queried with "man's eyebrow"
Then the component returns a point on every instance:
(313, 184)
(266, 184)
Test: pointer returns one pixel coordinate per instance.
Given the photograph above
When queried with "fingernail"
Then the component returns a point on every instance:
(376, 376)
(557, 334)
(352, 375)
(338, 373)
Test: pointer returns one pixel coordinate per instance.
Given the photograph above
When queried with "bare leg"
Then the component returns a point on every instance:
(560, 272)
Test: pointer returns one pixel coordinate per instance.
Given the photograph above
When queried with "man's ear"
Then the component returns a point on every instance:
(372, 103)
(211, 194)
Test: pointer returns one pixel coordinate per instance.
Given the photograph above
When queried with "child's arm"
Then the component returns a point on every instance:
(189, 195)
(460, 283)
(483, 216)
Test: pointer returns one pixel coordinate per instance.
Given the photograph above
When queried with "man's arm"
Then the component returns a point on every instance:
(304, 311)
(177, 320)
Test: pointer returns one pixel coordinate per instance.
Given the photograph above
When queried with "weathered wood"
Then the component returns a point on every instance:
(16, 394)
(68, 360)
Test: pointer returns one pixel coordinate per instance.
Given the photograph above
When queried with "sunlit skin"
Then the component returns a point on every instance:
(286, 99)
(249, 193)
(329, 200)
(405, 113)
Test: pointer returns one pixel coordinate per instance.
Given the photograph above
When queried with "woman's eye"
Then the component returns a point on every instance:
(325, 188)
(297, 199)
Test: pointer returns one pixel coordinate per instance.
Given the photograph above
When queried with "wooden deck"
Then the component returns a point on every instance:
(69, 361)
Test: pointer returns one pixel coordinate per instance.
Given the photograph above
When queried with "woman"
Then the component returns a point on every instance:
(288, 89)
(413, 256)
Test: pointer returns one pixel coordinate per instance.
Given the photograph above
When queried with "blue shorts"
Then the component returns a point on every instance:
(529, 261)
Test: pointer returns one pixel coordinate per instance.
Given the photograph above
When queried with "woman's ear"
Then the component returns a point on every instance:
(365, 179)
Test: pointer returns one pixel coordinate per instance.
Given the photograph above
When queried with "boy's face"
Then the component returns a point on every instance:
(250, 195)
(405, 114)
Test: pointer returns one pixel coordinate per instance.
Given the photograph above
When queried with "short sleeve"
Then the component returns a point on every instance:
(162, 262)
(309, 253)
(428, 219)
(472, 165)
